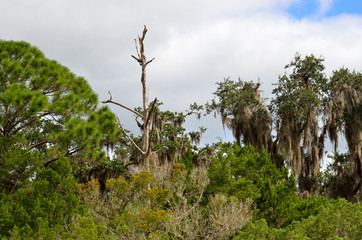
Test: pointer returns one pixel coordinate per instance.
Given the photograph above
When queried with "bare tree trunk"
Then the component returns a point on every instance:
(141, 59)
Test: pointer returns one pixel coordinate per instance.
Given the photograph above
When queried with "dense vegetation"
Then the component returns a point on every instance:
(59, 181)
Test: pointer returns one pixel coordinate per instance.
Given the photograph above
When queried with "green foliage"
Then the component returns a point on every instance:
(243, 111)
(340, 178)
(230, 172)
(244, 173)
(43, 206)
(130, 210)
(306, 85)
(46, 110)
(168, 137)
(85, 228)
(238, 170)
(307, 105)
(335, 220)
(50, 131)
(58, 182)
(296, 108)
(187, 160)
(162, 207)
(149, 223)
(344, 115)
(234, 96)
(14, 162)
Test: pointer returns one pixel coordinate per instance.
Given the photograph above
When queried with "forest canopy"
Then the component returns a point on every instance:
(59, 181)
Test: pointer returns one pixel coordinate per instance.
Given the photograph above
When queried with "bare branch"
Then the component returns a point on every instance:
(188, 211)
(37, 144)
(149, 113)
(130, 164)
(50, 161)
(141, 59)
(137, 59)
(138, 52)
(121, 105)
(150, 61)
(144, 33)
(68, 153)
(73, 151)
(120, 124)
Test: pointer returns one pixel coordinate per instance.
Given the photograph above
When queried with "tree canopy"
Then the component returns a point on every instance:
(47, 113)
(307, 108)
(68, 169)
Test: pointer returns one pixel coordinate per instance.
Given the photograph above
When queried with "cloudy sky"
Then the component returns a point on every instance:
(195, 43)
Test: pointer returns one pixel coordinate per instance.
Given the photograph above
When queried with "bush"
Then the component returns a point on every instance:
(338, 219)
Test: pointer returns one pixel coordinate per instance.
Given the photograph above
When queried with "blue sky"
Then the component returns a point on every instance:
(324, 8)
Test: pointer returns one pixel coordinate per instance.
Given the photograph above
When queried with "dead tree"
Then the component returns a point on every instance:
(146, 114)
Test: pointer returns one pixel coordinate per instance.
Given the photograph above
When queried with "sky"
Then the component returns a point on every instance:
(195, 43)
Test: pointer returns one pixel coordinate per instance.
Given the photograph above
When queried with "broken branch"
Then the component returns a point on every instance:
(124, 131)
(150, 61)
(150, 112)
(121, 105)
(143, 33)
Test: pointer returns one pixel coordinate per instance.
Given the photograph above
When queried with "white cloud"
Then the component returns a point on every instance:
(195, 43)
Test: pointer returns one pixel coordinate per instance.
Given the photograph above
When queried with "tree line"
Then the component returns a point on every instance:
(308, 108)
(59, 181)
